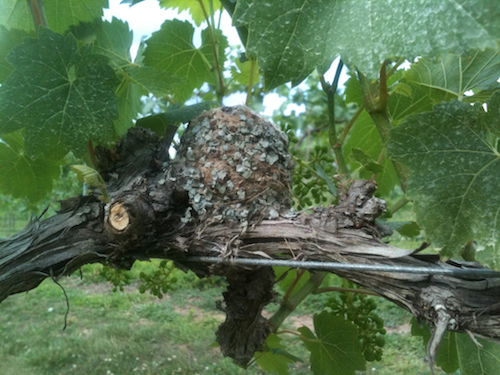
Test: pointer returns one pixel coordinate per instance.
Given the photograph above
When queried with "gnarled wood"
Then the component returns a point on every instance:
(169, 216)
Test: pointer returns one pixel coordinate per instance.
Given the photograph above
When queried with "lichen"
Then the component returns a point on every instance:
(234, 165)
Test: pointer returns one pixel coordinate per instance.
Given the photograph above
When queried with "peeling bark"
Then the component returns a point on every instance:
(202, 204)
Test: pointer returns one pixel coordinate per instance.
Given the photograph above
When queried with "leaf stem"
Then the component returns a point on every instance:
(398, 205)
(253, 65)
(330, 91)
(378, 112)
(292, 286)
(220, 88)
(395, 67)
(350, 124)
(296, 333)
(286, 308)
(38, 12)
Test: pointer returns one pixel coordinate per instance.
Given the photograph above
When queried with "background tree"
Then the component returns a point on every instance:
(427, 134)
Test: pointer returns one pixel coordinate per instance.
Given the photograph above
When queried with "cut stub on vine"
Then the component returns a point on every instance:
(118, 218)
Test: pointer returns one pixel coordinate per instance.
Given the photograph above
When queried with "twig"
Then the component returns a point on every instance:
(65, 296)
(330, 91)
(220, 91)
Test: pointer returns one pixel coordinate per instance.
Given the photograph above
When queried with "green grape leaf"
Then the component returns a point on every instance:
(364, 136)
(114, 39)
(287, 279)
(475, 360)
(366, 161)
(274, 359)
(171, 49)
(60, 13)
(61, 94)
(455, 176)
(151, 80)
(353, 92)
(288, 48)
(27, 177)
(405, 228)
(458, 351)
(160, 122)
(129, 105)
(88, 175)
(16, 14)
(321, 173)
(451, 76)
(402, 89)
(193, 6)
(411, 100)
(8, 40)
(491, 118)
(243, 70)
(335, 349)
(63, 13)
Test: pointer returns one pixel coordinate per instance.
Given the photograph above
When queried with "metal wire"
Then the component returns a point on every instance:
(329, 266)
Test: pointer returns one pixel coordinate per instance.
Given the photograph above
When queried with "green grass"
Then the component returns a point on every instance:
(11, 227)
(120, 333)
(132, 333)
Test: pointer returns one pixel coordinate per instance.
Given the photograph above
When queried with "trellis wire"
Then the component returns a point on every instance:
(329, 266)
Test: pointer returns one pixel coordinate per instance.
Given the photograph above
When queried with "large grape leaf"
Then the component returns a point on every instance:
(60, 13)
(16, 14)
(243, 71)
(171, 49)
(193, 6)
(8, 40)
(293, 37)
(458, 351)
(353, 92)
(455, 176)
(475, 360)
(129, 105)
(61, 94)
(364, 136)
(114, 39)
(157, 82)
(335, 349)
(274, 359)
(401, 105)
(24, 177)
(451, 76)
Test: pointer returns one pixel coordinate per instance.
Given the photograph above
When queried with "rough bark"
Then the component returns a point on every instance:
(227, 195)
